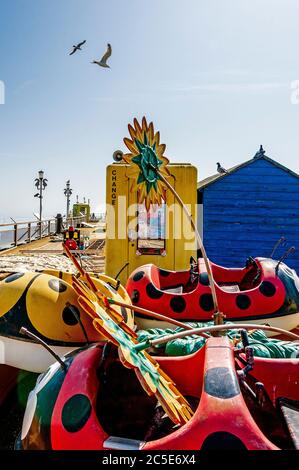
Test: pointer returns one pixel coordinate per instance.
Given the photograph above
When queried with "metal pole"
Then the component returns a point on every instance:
(218, 316)
(68, 192)
(199, 331)
(40, 184)
(40, 207)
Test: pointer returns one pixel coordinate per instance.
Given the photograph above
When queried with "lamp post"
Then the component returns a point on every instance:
(68, 192)
(40, 184)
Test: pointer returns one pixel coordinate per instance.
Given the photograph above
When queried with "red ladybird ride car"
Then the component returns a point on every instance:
(96, 403)
(261, 291)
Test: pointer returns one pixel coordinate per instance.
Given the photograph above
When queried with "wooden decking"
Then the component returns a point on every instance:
(49, 253)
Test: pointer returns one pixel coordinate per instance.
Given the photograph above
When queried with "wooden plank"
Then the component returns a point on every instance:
(263, 226)
(244, 204)
(251, 211)
(238, 233)
(249, 219)
(269, 173)
(261, 171)
(245, 178)
(252, 196)
(255, 187)
(241, 257)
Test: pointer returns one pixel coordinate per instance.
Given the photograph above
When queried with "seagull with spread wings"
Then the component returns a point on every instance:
(77, 47)
(103, 61)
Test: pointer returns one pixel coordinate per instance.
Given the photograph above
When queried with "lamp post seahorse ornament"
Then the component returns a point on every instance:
(111, 325)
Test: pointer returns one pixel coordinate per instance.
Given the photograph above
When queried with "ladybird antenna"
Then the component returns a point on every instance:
(119, 272)
(77, 317)
(37, 339)
(284, 256)
(281, 241)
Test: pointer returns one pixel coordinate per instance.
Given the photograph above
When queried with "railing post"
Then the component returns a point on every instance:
(49, 227)
(15, 234)
(59, 224)
(29, 232)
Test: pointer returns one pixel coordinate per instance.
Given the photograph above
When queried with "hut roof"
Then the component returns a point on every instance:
(258, 156)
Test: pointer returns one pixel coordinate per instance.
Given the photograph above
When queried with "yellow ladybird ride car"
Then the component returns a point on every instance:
(47, 305)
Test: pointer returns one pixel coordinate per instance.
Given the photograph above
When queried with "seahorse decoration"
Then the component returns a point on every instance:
(111, 325)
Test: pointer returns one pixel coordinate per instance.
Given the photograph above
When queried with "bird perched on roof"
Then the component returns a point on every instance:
(77, 47)
(103, 61)
(220, 169)
(260, 153)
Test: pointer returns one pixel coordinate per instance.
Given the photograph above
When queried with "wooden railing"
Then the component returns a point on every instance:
(16, 233)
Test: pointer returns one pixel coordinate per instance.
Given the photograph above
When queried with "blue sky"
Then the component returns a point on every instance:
(214, 76)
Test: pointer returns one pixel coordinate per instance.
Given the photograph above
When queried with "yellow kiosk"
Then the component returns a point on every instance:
(148, 228)
(81, 209)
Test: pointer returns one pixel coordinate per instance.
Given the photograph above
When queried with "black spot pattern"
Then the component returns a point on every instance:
(267, 289)
(71, 315)
(164, 273)
(206, 302)
(57, 285)
(178, 304)
(138, 276)
(13, 277)
(135, 296)
(204, 279)
(243, 301)
(76, 412)
(152, 292)
(222, 440)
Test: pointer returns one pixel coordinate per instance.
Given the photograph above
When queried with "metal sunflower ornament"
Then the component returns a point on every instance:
(148, 165)
(149, 179)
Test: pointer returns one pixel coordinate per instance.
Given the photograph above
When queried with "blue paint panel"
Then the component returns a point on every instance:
(223, 194)
(246, 212)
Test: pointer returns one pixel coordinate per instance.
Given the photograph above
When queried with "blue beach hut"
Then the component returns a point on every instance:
(244, 211)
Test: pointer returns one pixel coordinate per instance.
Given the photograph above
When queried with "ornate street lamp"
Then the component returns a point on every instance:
(68, 192)
(40, 184)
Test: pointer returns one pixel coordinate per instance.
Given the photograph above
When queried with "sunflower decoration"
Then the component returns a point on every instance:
(146, 160)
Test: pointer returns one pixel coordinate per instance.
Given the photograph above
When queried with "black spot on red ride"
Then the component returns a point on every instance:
(267, 289)
(164, 273)
(13, 277)
(71, 315)
(124, 314)
(57, 285)
(222, 440)
(135, 296)
(138, 276)
(178, 304)
(206, 302)
(204, 279)
(76, 413)
(243, 301)
(152, 292)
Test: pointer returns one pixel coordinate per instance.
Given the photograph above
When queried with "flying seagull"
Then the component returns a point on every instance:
(220, 169)
(77, 47)
(103, 61)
